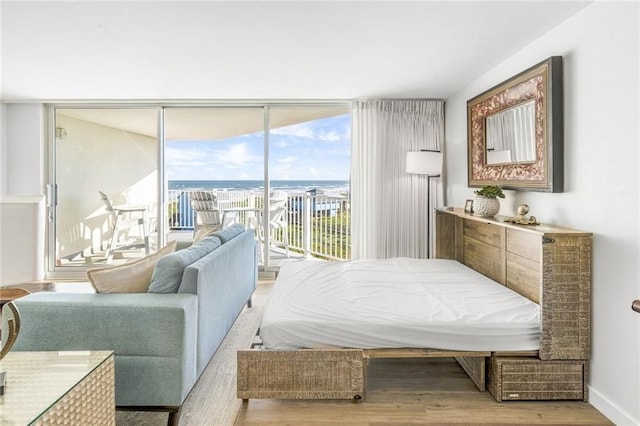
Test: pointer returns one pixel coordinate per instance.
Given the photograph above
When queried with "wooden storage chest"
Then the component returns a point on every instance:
(302, 374)
(528, 378)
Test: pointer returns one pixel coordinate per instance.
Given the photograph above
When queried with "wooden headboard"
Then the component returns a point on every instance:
(547, 264)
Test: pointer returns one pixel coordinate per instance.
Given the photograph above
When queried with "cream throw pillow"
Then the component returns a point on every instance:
(132, 277)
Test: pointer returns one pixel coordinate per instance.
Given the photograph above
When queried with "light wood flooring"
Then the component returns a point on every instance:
(399, 392)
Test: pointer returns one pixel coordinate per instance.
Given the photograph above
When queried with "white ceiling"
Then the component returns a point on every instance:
(198, 123)
(141, 50)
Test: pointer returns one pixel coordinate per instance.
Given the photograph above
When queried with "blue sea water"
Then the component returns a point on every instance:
(287, 185)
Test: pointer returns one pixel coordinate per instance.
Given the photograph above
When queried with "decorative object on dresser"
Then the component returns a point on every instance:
(468, 206)
(515, 131)
(549, 265)
(486, 203)
(521, 218)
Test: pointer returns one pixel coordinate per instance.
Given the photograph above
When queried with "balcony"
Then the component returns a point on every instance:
(318, 224)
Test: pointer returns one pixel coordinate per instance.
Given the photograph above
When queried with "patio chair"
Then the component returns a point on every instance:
(277, 220)
(206, 210)
(119, 213)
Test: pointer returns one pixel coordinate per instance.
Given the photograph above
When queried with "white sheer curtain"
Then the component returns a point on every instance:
(389, 206)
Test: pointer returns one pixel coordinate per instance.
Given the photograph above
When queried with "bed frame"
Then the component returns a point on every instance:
(549, 265)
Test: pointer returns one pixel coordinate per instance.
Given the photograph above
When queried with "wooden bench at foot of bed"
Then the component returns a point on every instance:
(330, 373)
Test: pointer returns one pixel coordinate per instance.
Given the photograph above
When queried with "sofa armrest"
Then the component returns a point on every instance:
(131, 324)
(153, 337)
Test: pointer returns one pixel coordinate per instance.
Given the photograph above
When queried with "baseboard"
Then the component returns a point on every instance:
(610, 410)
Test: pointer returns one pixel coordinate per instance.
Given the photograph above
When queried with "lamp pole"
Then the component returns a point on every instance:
(426, 162)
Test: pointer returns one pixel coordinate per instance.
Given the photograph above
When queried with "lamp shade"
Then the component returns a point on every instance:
(424, 163)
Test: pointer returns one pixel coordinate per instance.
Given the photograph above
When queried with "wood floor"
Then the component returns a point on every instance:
(399, 392)
(418, 392)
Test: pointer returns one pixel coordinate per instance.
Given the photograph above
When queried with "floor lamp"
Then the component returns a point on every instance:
(428, 163)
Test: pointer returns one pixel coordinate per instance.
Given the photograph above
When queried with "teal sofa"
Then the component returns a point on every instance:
(162, 340)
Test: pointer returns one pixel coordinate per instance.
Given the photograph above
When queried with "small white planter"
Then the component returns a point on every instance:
(485, 207)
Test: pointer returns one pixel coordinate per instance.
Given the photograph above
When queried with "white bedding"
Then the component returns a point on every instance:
(396, 303)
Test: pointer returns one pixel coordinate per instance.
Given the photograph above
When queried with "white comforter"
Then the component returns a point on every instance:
(394, 303)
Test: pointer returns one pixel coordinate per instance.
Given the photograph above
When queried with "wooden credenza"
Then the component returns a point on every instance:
(548, 264)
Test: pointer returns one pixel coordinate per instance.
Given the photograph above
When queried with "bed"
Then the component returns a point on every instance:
(396, 303)
(511, 303)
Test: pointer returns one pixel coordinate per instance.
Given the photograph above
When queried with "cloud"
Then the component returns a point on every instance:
(235, 155)
(307, 131)
(302, 130)
(319, 149)
(231, 159)
(331, 136)
(289, 159)
(177, 157)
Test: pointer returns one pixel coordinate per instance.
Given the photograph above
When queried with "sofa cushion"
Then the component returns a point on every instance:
(229, 232)
(167, 273)
(183, 244)
(131, 277)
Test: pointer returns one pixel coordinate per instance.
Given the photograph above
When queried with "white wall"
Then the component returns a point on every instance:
(24, 146)
(22, 213)
(3, 149)
(94, 158)
(21, 259)
(601, 69)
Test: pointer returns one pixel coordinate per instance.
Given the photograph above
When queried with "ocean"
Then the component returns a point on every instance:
(256, 185)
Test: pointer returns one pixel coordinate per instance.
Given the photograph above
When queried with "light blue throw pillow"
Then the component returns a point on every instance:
(229, 232)
(167, 274)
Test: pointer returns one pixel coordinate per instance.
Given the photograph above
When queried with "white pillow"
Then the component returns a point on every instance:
(132, 277)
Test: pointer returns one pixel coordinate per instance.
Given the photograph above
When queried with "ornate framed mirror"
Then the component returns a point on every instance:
(515, 131)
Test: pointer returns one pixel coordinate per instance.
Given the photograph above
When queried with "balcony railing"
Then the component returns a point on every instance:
(318, 225)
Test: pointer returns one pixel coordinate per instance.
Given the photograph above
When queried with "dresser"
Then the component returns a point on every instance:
(46, 388)
(550, 265)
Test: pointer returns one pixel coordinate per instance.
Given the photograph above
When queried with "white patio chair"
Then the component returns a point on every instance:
(207, 213)
(277, 220)
(120, 214)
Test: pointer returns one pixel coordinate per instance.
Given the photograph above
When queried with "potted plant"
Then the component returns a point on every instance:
(486, 202)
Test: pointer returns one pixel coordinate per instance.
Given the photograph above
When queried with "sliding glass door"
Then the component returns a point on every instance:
(104, 159)
(123, 179)
(218, 151)
(309, 162)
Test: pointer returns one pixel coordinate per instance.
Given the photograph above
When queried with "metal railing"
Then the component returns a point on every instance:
(318, 225)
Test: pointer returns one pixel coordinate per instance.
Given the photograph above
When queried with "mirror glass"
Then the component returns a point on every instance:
(510, 135)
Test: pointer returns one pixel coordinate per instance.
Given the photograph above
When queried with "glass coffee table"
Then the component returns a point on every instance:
(45, 387)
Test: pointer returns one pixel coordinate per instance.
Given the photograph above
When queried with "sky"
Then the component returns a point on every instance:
(313, 150)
